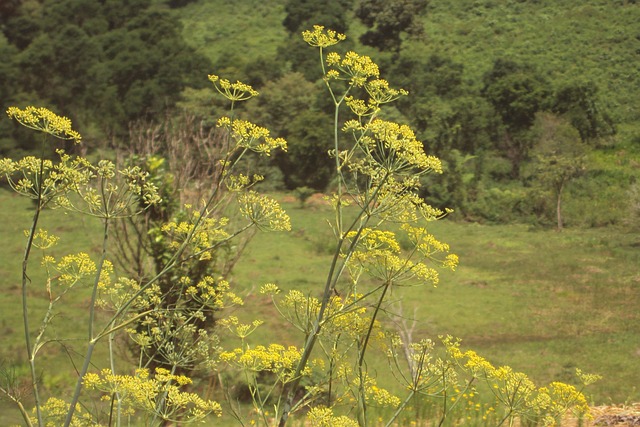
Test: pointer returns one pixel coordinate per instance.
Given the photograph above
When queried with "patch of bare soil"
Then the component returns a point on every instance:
(618, 415)
(608, 416)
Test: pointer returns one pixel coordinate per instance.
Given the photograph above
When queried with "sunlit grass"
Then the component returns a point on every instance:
(540, 301)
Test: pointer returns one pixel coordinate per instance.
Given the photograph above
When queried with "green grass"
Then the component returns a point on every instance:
(77, 234)
(540, 301)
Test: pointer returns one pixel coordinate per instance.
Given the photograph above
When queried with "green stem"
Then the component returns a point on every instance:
(25, 281)
(332, 279)
(116, 395)
(21, 408)
(371, 324)
(400, 409)
(92, 340)
(363, 349)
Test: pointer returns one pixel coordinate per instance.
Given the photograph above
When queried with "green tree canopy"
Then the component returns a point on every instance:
(578, 101)
(559, 156)
(388, 20)
(103, 64)
(516, 92)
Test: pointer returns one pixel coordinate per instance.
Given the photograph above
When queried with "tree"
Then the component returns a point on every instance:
(559, 156)
(288, 106)
(516, 92)
(302, 14)
(445, 111)
(103, 64)
(578, 102)
(389, 20)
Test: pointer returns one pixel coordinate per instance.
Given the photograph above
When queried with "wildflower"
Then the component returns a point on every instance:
(356, 68)
(321, 38)
(264, 212)
(269, 289)
(320, 416)
(237, 91)
(141, 391)
(587, 379)
(381, 93)
(252, 137)
(359, 107)
(45, 121)
(42, 239)
(395, 148)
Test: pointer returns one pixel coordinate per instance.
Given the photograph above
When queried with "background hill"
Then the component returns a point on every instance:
(480, 75)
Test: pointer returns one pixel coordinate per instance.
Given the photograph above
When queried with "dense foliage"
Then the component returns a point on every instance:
(478, 71)
(104, 64)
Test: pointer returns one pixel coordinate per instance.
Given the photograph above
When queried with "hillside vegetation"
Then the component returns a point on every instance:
(588, 52)
(480, 76)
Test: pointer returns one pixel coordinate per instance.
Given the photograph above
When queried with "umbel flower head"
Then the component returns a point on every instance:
(45, 121)
(321, 38)
(237, 91)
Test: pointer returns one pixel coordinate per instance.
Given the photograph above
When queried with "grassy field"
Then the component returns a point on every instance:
(540, 301)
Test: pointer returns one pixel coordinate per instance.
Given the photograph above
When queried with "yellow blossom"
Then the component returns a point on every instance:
(321, 38)
(45, 121)
(237, 91)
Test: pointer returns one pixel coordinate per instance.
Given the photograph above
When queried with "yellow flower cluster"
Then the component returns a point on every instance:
(378, 395)
(517, 393)
(237, 91)
(114, 295)
(395, 148)
(117, 195)
(241, 330)
(342, 316)
(269, 289)
(72, 268)
(361, 108)
(318, 37)
(54, 414)
(44, 179)
(275, 358)
(45, 121)
(249, 136)
(263, 211)
(373, 239)
(381, 93)
(214, 294)
(208, 235)
(320, 416)
(379, 253)
(42, 239)
(159, 396)
(358, 69)
(240, 182)
(429, 246)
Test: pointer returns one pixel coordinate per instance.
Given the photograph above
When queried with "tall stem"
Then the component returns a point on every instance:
(92, 339)
(365, 343)
(25, 281)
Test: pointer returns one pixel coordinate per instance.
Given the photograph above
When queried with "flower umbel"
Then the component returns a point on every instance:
(237, 91)
(45, 121)
(321, 38)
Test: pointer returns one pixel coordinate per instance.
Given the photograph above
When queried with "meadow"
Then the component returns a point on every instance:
(540, 301)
